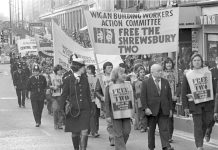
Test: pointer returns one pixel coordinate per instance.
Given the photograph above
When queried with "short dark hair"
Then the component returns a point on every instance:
(196, 55)
(57, 68)
(167, 60)
(107, 64)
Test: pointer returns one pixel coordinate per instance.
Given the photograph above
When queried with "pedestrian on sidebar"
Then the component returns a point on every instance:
(37, 86)
(78, 110)
(19, 80)
(197, 100)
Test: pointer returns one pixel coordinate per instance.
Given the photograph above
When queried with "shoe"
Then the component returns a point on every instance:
(111, 141)
(170, 140)
(23, 106)
(95, 135)
(168, 148)
(207, 138)
(20, 106)
(142, 130)
(37, 124)
(200, 148)
(60, 127)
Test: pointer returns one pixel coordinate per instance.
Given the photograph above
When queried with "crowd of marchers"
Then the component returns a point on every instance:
(77, 98)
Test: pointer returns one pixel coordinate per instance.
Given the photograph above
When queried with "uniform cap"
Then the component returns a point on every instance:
(76, 61)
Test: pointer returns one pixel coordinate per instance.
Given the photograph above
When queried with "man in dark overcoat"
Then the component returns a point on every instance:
(19, 81)
(37, 86)
(156, 99)
(76, 90)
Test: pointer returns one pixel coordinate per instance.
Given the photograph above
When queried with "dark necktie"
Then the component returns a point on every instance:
(157, 85)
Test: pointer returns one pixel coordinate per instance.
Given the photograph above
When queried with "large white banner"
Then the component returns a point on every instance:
(116, 33)
(27, 45)
(64, 46)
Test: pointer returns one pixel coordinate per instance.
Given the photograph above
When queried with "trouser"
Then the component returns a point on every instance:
(21, 97)
(80, 139)
(171, 121)
(122, 128)
(209, 129)
(201, 123)
(94, 120)
(57, 111)
(163, 124)
(26, 94)
(37, 107)
(143, 121)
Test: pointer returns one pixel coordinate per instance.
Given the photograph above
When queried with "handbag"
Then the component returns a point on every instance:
(68, 105)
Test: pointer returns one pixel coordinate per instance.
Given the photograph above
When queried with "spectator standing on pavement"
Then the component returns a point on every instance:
(56, 90)
(78, 110)
(171, 75)
(156, 100)
(19, 80)
(94, 120)
(101, 84)
(200, 106)
(140, 122)
(37, 86)
(120, 118)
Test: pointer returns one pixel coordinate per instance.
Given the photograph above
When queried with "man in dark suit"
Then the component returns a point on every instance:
(156, 100)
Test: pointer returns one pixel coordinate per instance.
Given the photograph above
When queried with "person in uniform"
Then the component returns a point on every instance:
(19, 80)
(27, 73)
(37, 86)
(78, 110)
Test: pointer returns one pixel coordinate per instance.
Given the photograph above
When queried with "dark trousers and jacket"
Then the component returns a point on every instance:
(21, 96)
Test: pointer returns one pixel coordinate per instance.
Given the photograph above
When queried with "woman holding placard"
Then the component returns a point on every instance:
(198, 97)
(119, 106)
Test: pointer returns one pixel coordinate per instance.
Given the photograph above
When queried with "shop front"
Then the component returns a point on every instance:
(209, 23)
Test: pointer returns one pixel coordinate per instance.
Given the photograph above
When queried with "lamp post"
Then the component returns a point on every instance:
(10, 22)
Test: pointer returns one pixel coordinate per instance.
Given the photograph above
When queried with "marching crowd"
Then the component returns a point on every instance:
(77, 98)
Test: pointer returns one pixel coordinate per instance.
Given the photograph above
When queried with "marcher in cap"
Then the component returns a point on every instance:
(37, 87)
(20, 84)
(76, 89)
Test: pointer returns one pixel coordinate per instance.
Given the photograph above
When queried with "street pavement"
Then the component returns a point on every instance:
(18, 131)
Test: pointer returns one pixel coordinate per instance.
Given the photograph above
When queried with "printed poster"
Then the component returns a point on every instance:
(200, 82)
(122, 100)
(116, 33)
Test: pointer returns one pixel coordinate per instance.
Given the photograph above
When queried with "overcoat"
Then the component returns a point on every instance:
(19, 80)
(78, 95)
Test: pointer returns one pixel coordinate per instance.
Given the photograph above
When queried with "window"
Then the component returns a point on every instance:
(212, 48)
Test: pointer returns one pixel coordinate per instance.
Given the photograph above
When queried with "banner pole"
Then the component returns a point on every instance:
(92, 42)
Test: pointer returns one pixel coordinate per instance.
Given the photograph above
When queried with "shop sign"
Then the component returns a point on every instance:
(208, 20)
(187, 17)
(194, 40)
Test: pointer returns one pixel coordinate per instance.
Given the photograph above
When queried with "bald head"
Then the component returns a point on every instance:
(156, 70)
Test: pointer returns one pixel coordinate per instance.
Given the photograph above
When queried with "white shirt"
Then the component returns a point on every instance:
(159, 83)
